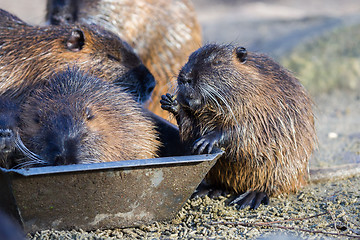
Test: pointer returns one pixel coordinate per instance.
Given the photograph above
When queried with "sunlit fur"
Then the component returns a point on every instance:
(162, 32)
(78, 118)
(264, 110)
(29, 55)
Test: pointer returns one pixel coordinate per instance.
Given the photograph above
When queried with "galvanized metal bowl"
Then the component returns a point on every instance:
(102, 195)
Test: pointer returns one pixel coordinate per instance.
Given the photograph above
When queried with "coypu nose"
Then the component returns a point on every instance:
(150, 88)
(7, 141)
(62, 11)
(59, 160)
(65, 154)
(147, 82)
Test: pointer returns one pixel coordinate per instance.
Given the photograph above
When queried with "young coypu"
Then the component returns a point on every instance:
(253, 108)
(78, 118)
(31, 54)
(163, 33)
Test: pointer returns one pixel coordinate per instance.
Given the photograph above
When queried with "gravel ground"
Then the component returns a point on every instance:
(320, 211)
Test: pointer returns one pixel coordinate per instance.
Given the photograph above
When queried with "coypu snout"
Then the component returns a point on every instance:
(61, 141)
(62, 11)
(7, 141)
(8, 126)
(66, 153)
(188, 95)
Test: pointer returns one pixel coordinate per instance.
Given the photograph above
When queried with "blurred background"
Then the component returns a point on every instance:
(319, 41)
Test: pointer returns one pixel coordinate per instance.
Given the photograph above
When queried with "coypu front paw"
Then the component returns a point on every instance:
(252, 199)
(207, 142)
(170, 104)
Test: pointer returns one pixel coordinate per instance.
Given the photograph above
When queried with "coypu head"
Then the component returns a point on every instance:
(79, 118)
(113, 59)
(62, 11)
(209, 76)
(9, 119)
(53, 48)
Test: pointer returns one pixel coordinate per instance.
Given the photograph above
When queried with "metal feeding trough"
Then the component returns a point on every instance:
(102, 195)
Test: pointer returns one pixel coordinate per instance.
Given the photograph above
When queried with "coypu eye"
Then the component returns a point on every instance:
(76, 40)
(111, 57)
(241, 54)
(217, 62)
(36, 118)
(88, 114)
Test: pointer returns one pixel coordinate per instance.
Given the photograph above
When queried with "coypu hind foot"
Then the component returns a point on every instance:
(253, 199)
(205, 189)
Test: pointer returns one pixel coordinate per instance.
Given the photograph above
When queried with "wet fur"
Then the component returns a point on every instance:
(262, 113)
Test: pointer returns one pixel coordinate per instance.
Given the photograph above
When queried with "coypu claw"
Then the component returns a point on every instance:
(252, 199)
(170, 104)
(207, 141)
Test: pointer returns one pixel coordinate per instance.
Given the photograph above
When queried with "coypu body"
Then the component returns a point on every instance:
(253, 108)
(78, 118)
(29, 55)
(163, 33)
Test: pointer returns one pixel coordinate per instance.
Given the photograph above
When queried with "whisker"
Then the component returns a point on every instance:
(29, 154)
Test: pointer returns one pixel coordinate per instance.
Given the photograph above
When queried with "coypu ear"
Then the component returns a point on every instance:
(89, 114)
(241, 54)
(76, 40)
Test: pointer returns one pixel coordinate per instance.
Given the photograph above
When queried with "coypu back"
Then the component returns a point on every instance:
(163, 33)
(8, 20)
(31, 54)
(78, 118)
(255, 109)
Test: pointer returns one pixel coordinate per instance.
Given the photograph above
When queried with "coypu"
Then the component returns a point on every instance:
(253, 108)
(78, 118)
(9, 228)
(9, 119)
(31, 54)
(163, 33)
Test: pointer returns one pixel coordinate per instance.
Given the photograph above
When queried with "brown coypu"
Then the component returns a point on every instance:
(9, 119)
(253, 108)
(163, 33)
(78, 118)
(31, 54)
(9, 228)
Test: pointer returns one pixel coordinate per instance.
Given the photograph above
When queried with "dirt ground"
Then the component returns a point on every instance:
(321, 211)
